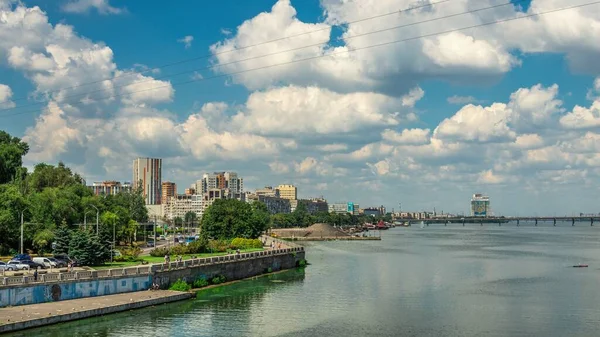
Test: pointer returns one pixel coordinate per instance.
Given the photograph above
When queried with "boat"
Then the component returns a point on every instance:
(381, 225)
(581, 265)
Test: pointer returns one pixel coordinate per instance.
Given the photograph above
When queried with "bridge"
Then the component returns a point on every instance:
(502, 219)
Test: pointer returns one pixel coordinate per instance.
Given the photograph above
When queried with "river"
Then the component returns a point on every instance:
(432, 281)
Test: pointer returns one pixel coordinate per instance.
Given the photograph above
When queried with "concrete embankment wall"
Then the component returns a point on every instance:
(56, 287)
(232, 270)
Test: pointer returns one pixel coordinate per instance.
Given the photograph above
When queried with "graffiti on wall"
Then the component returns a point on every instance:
(41, 293)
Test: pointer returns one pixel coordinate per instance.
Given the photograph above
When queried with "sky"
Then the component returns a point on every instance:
(410, 104)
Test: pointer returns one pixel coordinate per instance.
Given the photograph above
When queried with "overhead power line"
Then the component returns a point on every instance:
(350, 50)
(320, 43)
(236, 49)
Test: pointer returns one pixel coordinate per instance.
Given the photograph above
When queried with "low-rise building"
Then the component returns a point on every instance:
(110, 187)
(181, 204)
(312, 205)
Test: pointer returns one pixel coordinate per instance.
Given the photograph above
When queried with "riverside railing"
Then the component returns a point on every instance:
(145, 269)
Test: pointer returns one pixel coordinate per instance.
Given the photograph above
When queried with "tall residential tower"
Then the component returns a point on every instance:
(147, 174)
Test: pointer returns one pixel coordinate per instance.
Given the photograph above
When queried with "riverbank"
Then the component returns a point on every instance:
(36, 315)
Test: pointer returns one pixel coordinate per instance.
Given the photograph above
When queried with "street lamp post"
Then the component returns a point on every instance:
(97, 213)
(113, 243)
(22, 230)
(85, 220)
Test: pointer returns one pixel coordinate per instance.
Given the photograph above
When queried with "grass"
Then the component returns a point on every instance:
(161, 259)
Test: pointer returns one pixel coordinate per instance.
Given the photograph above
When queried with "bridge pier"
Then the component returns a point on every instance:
(554, 222)
(517, 222)
(463, 222)
(536, 222)
(573, 222)
(481, 223)
(591, 221)
(499, 224)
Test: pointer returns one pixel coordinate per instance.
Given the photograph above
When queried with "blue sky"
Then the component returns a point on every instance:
(426, 123)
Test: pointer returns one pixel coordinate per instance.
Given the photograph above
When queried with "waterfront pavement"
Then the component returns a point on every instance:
(34, 315)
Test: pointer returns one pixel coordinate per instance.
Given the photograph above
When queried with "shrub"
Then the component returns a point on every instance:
(218, 279)
(269, 270)
(218, 245)
(180, 285)
(201, 282)
(179, 250)
(197, 247)
(162, 251)
(131, 254)
(301, 263)
(241, 243)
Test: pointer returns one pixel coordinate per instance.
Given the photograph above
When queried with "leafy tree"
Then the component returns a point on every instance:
(231, 218)
(42, 240)
(301, 216)
(178, 221)
(190, 217)
(87, 248)
(62, 239)
(12, 150)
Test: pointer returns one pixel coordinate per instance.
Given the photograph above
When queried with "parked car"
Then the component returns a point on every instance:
(44, 261)
(66, 259)
(21, 257)
(33, 264)
(56, 263)
(5, 267)
(150, 244)
(17, 265)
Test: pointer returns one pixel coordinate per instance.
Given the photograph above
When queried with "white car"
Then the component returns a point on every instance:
(5, 267)
(18, 265)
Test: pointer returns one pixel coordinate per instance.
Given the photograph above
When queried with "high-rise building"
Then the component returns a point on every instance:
(222, 185)
(110, 187)
(147, 175)
(288, 192)
(480, 205)
(169, 189)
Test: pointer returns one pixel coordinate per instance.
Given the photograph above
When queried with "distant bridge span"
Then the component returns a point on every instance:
(502, 219)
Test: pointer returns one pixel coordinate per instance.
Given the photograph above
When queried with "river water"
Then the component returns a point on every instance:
(431, 281)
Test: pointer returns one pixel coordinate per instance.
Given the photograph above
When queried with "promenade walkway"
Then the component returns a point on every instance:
(34, 315)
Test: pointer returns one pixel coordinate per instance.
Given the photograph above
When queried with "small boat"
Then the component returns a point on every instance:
(581, 265)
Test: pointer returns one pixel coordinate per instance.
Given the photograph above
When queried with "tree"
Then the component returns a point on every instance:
(178, 221)
(301, 215)
(87, 248)
(42, 240)
(12, 150)
(231, 218)
(62, 239)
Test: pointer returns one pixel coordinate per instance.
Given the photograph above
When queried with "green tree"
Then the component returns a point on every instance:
(231, 218)
(301, 216)
(178, 221)
(87, 248)
(12, 150)
(42, 240)
(62, 239)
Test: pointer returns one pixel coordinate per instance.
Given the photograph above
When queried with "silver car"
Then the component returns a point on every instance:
(6, 267)
(18, 265)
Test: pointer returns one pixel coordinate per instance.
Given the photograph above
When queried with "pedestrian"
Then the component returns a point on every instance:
(69, 266)
(238, 251)
(166, 258)
(35, 274)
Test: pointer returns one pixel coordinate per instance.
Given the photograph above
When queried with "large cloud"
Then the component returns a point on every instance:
(457, 56)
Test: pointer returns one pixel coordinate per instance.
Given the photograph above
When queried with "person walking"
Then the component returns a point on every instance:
(35, 274)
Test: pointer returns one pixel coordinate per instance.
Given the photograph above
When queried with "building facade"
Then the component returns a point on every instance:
(169, 190)
(110, 187)
(480, 205)
(275, 205)
(341, 208)
(288, 192)
(179, 205)
(230, 185)
(147, 175)
(312, 205)
(268, 191)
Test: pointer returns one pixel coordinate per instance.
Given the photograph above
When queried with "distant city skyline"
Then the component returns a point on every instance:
(300, 92)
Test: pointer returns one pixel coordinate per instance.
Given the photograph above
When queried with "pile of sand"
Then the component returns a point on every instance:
(324, 230)
(318, 230)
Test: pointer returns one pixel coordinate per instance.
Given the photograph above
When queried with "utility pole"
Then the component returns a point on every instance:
(22, 231)
(97, 213)
(154, 231)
